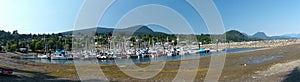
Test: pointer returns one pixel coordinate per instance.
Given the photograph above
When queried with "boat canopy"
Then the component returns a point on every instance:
(59, 51)
(202, 49)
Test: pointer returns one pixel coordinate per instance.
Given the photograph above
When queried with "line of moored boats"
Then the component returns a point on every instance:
(115, 54)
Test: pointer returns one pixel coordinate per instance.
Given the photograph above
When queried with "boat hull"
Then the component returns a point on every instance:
(61, 58)
(43, 57)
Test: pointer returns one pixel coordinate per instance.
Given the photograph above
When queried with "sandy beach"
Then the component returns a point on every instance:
(272, 64)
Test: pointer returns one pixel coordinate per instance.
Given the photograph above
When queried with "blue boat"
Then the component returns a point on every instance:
(203, 50)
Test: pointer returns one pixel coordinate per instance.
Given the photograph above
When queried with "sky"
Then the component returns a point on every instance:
(274, 17)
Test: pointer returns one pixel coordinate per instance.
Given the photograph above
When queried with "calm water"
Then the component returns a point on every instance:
(142, 60)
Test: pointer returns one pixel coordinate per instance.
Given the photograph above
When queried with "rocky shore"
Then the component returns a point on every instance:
(254, 44)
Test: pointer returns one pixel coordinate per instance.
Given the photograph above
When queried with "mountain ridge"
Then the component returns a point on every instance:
(260, 35)
(292, 35)
(139, 30)
(143, 30)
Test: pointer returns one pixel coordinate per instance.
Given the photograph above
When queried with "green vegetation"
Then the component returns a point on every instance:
(15, 57)
(13, 41)
(36, 42)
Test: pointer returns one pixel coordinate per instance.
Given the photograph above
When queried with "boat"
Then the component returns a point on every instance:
(107, 55)
(60, 55)
(197, 51)
(203, 50)
(216, 50)
(153, 53)
(193, 51)
(111, 57)
(101, 57)
(134, 56)
(43, 56)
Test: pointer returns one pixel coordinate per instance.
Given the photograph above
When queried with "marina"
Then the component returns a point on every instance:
(242, 65)
(138, 60)
(149, 41)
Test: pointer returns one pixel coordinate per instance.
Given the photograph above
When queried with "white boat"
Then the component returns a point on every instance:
(110, 52)
(43, 56)
(193, 51)
(61, 58)
(216, 50)
(169, 54)
(60, 55)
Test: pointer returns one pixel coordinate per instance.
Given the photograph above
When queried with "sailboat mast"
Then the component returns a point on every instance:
(45, 44)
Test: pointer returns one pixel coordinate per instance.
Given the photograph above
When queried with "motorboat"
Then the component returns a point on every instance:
(101, 57)
(43, 56)
(203, 50)
(60, 55)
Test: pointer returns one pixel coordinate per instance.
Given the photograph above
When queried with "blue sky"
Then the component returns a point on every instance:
(275, 17)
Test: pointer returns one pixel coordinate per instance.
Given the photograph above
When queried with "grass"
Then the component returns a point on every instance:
(15, 57)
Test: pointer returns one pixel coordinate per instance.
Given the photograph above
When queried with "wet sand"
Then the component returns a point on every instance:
(234, 69)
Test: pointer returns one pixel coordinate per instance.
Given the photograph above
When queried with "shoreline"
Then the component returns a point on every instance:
(233, 70)
(197, 56)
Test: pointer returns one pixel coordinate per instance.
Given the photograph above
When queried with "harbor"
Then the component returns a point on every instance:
(243, 65)
(149, 41)
(138, 60)
(159, 54)
(234, 70)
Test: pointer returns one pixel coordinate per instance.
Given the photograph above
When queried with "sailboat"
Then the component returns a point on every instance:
(45, 55)
(61, 55)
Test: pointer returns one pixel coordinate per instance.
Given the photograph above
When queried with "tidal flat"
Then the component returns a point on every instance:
(236, 68)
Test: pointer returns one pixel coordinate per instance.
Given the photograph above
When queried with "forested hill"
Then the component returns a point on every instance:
(136, 30)
(237, 36)
(13, 41)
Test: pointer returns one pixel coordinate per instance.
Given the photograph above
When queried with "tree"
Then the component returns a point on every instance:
(39, 45)
(13, 48)
(51, 43)
(1, 48)
(15, 32)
